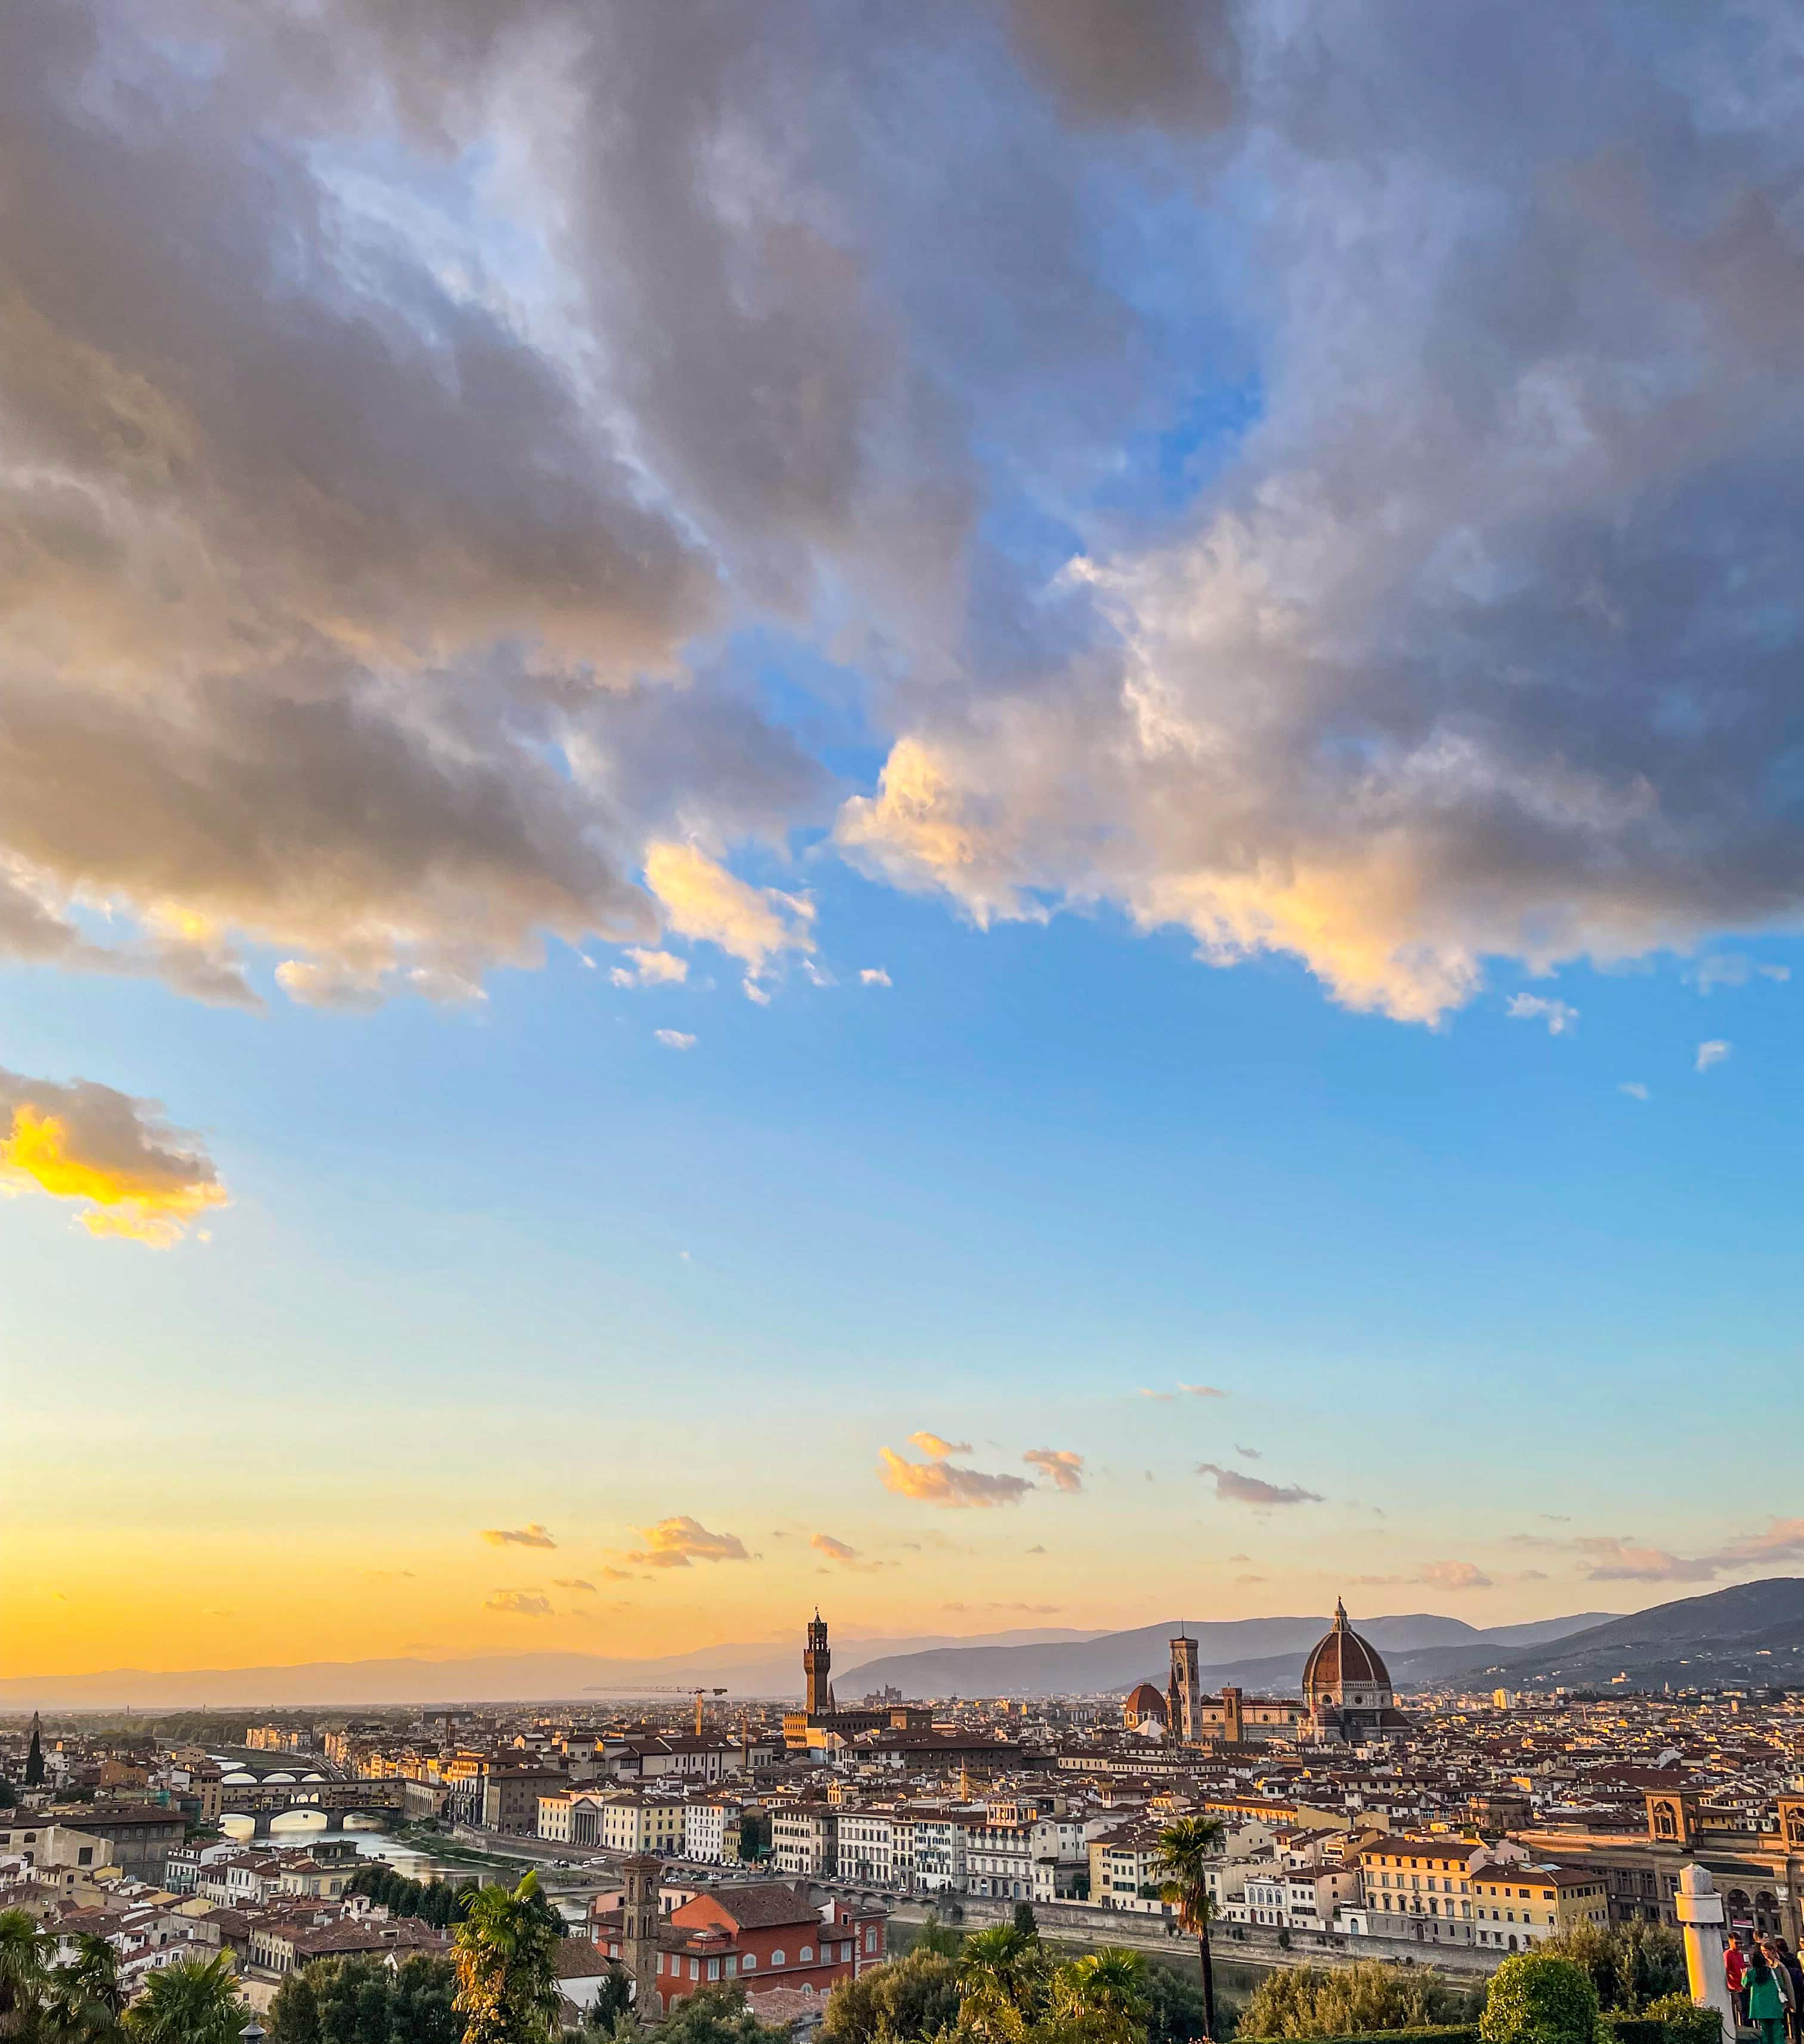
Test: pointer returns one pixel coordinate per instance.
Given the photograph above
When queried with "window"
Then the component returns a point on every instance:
(713, 1970)
(805, 1956)
(776, 1958)
(748, 1961)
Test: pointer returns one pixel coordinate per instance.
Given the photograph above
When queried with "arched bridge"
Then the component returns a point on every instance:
(263, 1801)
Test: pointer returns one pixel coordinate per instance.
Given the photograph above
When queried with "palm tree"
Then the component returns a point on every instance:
(1001, 1980)
(86, 1999)
(505, 1953)
(22, 1974)
(1186, 1849)
(192, 2002)
(1106, 1991)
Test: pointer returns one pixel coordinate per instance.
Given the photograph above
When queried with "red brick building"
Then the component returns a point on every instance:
(753, 1934)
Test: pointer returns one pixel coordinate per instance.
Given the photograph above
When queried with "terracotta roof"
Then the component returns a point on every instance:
(759, 1905)
(1342, 1656)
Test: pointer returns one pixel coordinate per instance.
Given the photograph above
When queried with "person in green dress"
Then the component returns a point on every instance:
(1766, 2002)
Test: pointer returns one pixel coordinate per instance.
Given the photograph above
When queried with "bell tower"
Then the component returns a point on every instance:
(639, 1879)
(1185, 1691)
(816, 1663)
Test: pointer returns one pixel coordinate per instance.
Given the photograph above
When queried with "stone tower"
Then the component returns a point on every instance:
(1184, 1710)
(817, 1663)
(639, 1876)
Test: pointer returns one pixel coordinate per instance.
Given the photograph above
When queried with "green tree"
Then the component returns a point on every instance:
(1628, 1965)
(1535, 1998)
(754, 1834)
(1185, 1850)
(907, 2001)
(1174, 2014)
(9, 1794)
(612, 2005)
(1025, 1921)
(86, 1999)
(24, 1967)
(507, 1989)
(716, 2015)
(1684, 2021)
(192, 2002)
(34, 1757)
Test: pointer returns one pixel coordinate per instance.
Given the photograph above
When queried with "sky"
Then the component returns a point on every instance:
(993, 813)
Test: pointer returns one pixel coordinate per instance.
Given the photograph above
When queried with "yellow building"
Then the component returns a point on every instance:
(1518, 1907)
(1421, 1878)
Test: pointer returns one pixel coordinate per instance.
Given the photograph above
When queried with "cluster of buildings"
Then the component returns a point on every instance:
(768, 1851)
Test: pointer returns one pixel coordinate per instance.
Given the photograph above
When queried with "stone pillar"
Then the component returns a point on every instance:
(1699, 1910)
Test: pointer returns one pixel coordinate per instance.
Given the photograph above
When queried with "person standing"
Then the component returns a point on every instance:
(1735, 1973)
(1784, 1962)
(1766, 2002)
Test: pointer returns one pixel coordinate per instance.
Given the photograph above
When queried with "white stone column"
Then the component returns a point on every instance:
(1699, 1909)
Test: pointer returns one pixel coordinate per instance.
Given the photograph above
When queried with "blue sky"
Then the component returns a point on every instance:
(1240, 562)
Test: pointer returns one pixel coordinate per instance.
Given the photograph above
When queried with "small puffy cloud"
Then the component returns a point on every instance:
(756, 992)
(675, 1543)
(1561, 1020)
(1064, 1468)
(532, 1535)
(840, 1551)
(875, 975)
(651, 969)
(571, 1583)
(1247, 1454)
(675, 1040)
(134, 1173)
(1635, 1090)
(947, 1483)
(1453, 1576)
(703, 901)
(1712, 1053)
(937, 1445)
(1203, 1390)
(520, 1604)
(1234, 1488)
(614, 1575)
(1036, 1551)
(1163, 1397)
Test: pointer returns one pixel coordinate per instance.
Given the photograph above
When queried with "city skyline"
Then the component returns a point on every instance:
(991, 812)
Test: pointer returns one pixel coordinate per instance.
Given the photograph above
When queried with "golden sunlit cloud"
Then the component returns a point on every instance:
(1063, 1467)
(701, 900)
(520, 1604)
(571, 1583)
(675, 1543)
(651, 969)
(530, 1536)
(139, 1178)
(945, 1483)
(937, 1446)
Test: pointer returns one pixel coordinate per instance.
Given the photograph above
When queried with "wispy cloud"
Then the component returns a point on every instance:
(703, 901)
(1635, 1090)
(571, 1583)
(1062, 1465)
(675, 1543)
(675, 1040)
(1247, 1454)
(1612, 1559)
(1233, 1487)
(1733, 969)
(875, 975)
(1203, 1390)
(519, 1604)
(1453, 1576)
(1712, 1053)
(1561, 1019)
(532, 1535)
(947, 1483)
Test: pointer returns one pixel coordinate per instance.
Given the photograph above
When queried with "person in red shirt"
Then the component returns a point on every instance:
(1735, 1971)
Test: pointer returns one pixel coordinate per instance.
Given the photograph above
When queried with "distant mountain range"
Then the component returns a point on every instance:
(768, 1668)
(1750, 1633)
(1259, 1653)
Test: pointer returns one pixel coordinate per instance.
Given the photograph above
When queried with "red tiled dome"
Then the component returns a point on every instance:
(1146, 1702)
(1342, 1660)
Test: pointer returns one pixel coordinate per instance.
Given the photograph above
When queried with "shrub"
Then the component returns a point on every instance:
(1535, 1998)
(1315, 2001)
(1684, 2021)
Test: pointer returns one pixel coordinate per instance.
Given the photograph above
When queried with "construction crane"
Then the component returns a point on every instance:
(673, 1689)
